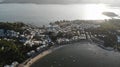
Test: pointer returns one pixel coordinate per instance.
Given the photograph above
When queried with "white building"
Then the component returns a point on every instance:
(53, 28)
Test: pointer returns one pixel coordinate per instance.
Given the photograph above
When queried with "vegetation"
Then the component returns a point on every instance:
(13, 51)
(108, 33)
(10, 52)
(16, 26)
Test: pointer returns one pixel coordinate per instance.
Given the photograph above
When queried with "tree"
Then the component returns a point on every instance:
(110, 40)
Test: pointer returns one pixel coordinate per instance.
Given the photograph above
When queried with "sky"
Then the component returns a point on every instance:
(59, 1)
(112, 2)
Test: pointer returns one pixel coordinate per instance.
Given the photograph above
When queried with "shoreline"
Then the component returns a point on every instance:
(31, 61)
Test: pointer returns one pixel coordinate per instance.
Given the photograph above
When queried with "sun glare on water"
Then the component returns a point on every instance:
(94, 11)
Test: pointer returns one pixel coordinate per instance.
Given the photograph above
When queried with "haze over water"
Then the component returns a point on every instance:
(43, 14)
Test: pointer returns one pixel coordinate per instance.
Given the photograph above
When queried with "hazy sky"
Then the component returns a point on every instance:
(112, 2)
(60, 1)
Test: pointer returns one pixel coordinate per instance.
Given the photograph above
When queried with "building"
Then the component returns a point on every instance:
(2, 34)
(11, 33)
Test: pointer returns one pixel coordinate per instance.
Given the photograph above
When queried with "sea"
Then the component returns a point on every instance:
(43, 14)
(81, 54)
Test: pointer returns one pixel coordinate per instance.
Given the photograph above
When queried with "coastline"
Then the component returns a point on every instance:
(31, 61)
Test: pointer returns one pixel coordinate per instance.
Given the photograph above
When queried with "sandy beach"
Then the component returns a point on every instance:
(39, 56)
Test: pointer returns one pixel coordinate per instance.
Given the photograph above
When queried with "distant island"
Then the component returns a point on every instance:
(19, 42)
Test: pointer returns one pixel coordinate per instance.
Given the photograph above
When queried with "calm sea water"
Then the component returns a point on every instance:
(43, 14)
(82, 54)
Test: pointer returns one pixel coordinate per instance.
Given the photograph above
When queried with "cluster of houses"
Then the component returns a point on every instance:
(43, 41)
(37, 40)
(61, 41)
(38, 50)
(8, 33)
(36, 36)
(75, 28)
(14, 64)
